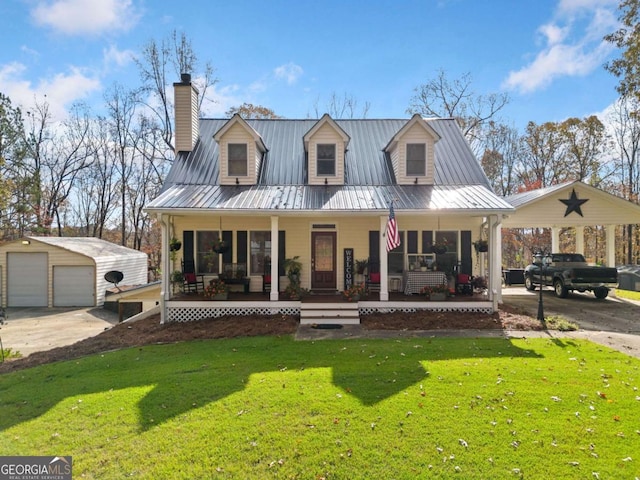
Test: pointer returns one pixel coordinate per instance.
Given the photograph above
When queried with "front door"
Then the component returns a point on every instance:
(323, 260)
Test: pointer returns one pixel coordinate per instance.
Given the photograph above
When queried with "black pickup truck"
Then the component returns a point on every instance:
(570, 271)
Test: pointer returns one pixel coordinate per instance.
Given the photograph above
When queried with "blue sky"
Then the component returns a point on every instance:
(290, 55)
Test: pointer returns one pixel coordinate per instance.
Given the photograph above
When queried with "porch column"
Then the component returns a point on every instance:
(384, 264)
(555, 239)
(495, 260)
(580, 239)
(165, 265)
(610, 249)
(275, 261)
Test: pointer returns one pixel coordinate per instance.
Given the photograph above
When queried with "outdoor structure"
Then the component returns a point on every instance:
(320, 191)
(64, 271)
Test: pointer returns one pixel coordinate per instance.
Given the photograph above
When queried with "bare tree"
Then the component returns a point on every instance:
(442, 97)
(162, 62)
(626, 134)
(249, 110)
(344, 106)
(12, 152)
(504, 149)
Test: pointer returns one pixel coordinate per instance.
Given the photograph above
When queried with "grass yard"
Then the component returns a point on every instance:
(266, 407)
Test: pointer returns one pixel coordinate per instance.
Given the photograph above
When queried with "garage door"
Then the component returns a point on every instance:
(74, 286)
(27, 279)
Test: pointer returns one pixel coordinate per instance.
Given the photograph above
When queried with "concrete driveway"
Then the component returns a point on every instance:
(34, 329)
(612, 322)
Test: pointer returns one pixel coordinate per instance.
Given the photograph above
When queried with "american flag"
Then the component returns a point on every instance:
(393, 236)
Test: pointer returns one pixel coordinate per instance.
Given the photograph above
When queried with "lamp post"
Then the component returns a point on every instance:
(541, 259)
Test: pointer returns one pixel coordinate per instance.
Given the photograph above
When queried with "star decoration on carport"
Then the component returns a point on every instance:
(574, 204)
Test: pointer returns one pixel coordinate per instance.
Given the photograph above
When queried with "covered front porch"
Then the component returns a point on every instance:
(319, 308)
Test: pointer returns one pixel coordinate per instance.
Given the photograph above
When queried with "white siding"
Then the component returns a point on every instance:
(238, 134)
(133, 266)
(326, 134)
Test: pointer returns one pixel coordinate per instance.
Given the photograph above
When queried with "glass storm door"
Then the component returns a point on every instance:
(323, 260)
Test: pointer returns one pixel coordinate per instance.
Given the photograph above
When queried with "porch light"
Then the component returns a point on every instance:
(26, 242)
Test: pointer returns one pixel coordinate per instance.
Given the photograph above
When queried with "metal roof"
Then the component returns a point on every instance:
(89, 246)
(519, 199)
(459, 183)
(305, 198)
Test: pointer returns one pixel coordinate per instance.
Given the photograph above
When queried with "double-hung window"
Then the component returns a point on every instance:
(206, 258)
(416, 159)
(260, 251)
(326, 159)
(238, 161)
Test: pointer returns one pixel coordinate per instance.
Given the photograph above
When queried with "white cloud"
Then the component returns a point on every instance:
(80, 17)
(290, 72)
(120, 58)
(220, 99)
(59, 91)
(573, 45)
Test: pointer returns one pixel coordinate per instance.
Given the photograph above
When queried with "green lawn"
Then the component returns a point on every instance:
(351, 409)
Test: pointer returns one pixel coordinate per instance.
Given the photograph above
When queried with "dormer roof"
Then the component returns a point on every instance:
(237, 119)
(326, 119)
(416, 119)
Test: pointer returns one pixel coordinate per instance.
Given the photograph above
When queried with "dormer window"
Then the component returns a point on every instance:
(326, 159)
(238, 160)
(416, 159)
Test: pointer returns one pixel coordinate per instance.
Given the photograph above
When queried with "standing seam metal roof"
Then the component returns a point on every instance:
(459, 184)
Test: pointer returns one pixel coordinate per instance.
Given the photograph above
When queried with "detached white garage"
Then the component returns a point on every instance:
(64, 271)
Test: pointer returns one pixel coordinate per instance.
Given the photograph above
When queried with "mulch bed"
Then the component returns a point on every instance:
(150, 331)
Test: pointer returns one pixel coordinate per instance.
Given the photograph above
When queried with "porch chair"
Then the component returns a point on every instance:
(192, 281)
(463, 282)
(372, 280)
(266, 277)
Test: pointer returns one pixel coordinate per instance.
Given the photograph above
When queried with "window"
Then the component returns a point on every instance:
(448, 261)
(395, 258)
(260, 251)
(326, 161)
(237, 159)
(206, 259)
(416, 159)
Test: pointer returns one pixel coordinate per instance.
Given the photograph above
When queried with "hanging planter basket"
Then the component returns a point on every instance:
(175, 245)
(481, 246)
(439, 249)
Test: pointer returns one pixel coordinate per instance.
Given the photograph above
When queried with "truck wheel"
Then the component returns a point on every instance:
(601, 292)
(528, 283)
(560, 289)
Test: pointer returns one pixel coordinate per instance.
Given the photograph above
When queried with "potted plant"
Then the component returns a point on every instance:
(354, 292)
(292, 268)
(175, 245)
(360, 268)
(294, 291)
(440, 247)
(479, 283)
(436, 293)
(177, 279)
(219, 246)
(216, 290)
(481, 245)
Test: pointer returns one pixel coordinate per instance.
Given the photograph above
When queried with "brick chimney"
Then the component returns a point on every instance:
(186, 114)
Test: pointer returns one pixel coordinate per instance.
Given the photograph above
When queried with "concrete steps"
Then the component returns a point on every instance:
(329, 313)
